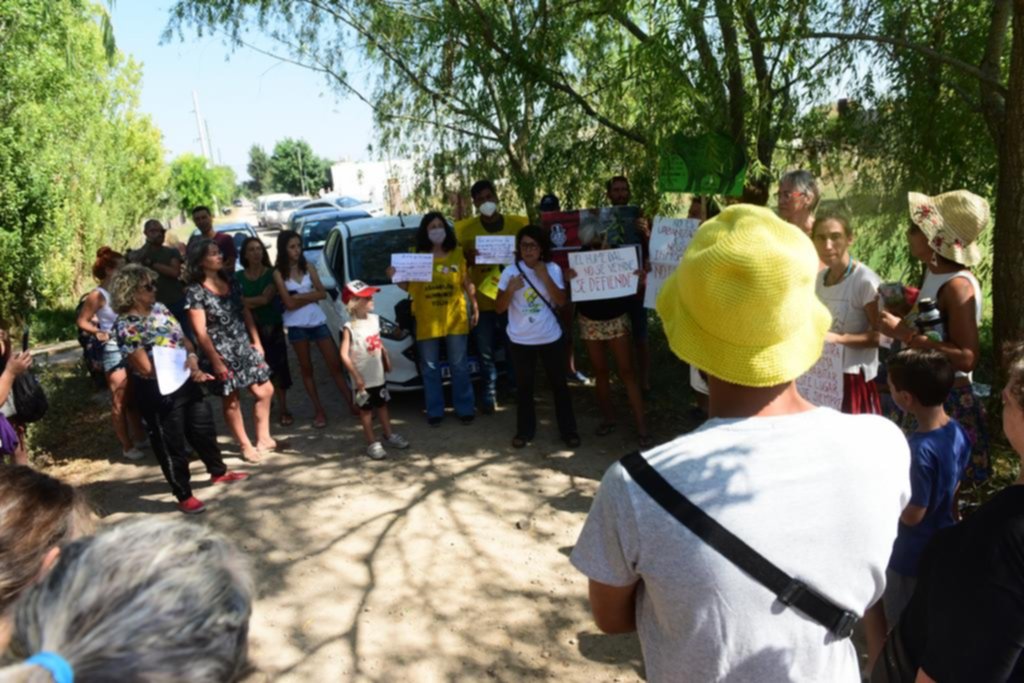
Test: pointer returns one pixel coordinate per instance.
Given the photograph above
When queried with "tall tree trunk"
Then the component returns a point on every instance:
(1008, 240)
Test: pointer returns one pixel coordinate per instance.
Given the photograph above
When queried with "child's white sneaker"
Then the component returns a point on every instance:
(397, 440)
(376, 451)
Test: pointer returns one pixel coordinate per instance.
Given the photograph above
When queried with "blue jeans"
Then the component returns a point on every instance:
(430, 369)
(490, 336)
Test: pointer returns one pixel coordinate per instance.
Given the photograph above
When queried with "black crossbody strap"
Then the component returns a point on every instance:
(790, 591)
(529, 282)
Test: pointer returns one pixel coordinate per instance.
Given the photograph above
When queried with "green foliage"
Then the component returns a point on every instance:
(195, 183)
(80, 167)
(295, 169)
(259, 172)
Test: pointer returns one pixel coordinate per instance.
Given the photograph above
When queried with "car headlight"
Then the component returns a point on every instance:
(390, 330)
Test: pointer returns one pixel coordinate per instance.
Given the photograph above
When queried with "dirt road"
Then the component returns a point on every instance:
(445, 562)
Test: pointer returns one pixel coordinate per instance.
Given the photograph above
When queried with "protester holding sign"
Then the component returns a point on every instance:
(849, 289)
(181, 421)
(490, 331)
(619, 194)
(531, 290)
(439, 307)
(604, 326)
(943, 233)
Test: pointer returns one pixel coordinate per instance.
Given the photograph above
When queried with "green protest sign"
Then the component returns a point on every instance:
(706, 165)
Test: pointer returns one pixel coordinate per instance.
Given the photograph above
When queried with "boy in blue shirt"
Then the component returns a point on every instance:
(919, 382)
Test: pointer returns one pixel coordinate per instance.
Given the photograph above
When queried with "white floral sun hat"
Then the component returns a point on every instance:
(952, 222)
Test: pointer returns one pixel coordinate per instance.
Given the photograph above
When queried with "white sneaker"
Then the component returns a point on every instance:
(133, 453)
(142, 444)
(376, 451)
(397, 440)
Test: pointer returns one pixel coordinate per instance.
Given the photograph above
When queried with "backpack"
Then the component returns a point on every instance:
(30, 400)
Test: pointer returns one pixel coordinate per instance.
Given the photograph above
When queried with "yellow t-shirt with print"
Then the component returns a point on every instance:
(440, 305)
(467, 231)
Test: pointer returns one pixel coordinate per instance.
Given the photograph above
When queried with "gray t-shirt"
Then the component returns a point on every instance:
(818, 493)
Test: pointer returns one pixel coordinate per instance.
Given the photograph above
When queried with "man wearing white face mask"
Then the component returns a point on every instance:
(490, 331)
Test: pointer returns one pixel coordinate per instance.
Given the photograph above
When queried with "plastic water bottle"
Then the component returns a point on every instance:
(929, 320)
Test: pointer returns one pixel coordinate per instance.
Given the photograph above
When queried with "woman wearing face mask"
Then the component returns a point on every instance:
(439, 307)
(531, 290)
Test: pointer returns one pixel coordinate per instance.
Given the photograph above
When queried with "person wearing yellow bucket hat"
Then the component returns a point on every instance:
(943, 233)
(812, 490)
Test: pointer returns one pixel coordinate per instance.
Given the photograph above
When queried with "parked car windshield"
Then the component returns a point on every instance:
(314, 232)
(294, 203)
(370, 255)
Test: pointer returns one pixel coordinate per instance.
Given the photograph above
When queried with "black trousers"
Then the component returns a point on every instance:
(177, 424)
(552, 357)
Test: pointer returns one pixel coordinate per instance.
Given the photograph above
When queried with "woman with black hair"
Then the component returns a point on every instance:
(258, 294)
(301, 290)
(531, 290)
(226, 334)
(440, 309)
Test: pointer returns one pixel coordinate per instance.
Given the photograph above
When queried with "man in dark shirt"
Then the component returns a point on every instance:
(203, 219)
(166, 261)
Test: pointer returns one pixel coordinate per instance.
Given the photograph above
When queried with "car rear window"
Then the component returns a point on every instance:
(314, 232)
(370, 255)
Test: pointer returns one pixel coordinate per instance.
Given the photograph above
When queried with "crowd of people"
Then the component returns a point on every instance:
(794, 524)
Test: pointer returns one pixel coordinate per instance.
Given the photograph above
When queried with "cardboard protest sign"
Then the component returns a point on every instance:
(669, 239)
(563, 231)
(412, 267)
(618, 222)
(822, 385)
(495, 249)
(706, 164)
(604, 273)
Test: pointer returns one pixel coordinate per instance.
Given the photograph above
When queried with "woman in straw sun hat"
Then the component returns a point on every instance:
(943, 233)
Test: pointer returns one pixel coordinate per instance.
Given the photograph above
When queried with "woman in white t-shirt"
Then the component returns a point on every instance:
(531, 289)
(849, 289)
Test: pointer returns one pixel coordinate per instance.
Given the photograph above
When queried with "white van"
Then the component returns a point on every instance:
(261, 205)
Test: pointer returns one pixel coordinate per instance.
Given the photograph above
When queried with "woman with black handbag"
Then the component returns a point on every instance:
(531, 290)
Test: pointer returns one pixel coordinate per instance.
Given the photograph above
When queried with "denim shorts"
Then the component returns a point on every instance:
(308, 334)
(112, 359)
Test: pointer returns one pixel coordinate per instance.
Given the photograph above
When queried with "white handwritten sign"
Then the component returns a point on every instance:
(495, 249)
(412, 267)
(669, 239)
(604, 274)
(822, 385)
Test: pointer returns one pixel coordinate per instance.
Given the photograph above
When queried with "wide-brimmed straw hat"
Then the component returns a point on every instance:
(741, 304)
(952, 222)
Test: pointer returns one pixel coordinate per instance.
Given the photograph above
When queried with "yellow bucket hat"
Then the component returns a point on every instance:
(952, 222)
(741, 304)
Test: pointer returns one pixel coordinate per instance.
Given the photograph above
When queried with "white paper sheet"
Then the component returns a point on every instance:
(604, 274)
(169, 365)
(412, 267)
(495, 249)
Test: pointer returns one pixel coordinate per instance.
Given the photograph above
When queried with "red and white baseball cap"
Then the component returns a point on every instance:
(357, 289)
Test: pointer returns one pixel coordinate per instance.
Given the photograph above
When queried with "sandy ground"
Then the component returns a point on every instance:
(445, 562)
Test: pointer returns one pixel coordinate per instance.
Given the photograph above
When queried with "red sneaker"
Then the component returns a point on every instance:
(191, 506)
(229, 477)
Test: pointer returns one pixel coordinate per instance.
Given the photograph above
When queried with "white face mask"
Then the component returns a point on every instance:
(436, 235)
(488, 209)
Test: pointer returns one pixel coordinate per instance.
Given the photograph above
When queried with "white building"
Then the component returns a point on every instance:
(387, 183)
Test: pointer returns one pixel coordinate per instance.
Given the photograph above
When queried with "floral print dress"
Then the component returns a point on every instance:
(225, 324)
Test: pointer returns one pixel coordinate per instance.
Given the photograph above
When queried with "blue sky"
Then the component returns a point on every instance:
(244, 96)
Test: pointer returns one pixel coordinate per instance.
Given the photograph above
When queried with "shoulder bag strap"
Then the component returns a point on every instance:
(790, 591)
(530, 282)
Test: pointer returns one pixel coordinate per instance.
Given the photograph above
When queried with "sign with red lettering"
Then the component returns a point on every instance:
(604, 273)
(822, 385)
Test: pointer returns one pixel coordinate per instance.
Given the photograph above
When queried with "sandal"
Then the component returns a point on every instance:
(253, 456)
(320, 422)
(519, 442)
(646, 441)
(605, 428)
(286, 419)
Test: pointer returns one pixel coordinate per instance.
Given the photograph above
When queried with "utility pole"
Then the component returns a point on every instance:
(302, 173)
(204, 143)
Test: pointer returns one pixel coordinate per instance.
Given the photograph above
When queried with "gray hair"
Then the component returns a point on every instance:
(803, 181)
(142, 601)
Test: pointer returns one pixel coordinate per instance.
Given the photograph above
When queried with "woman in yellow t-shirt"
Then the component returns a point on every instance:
(440, 309)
